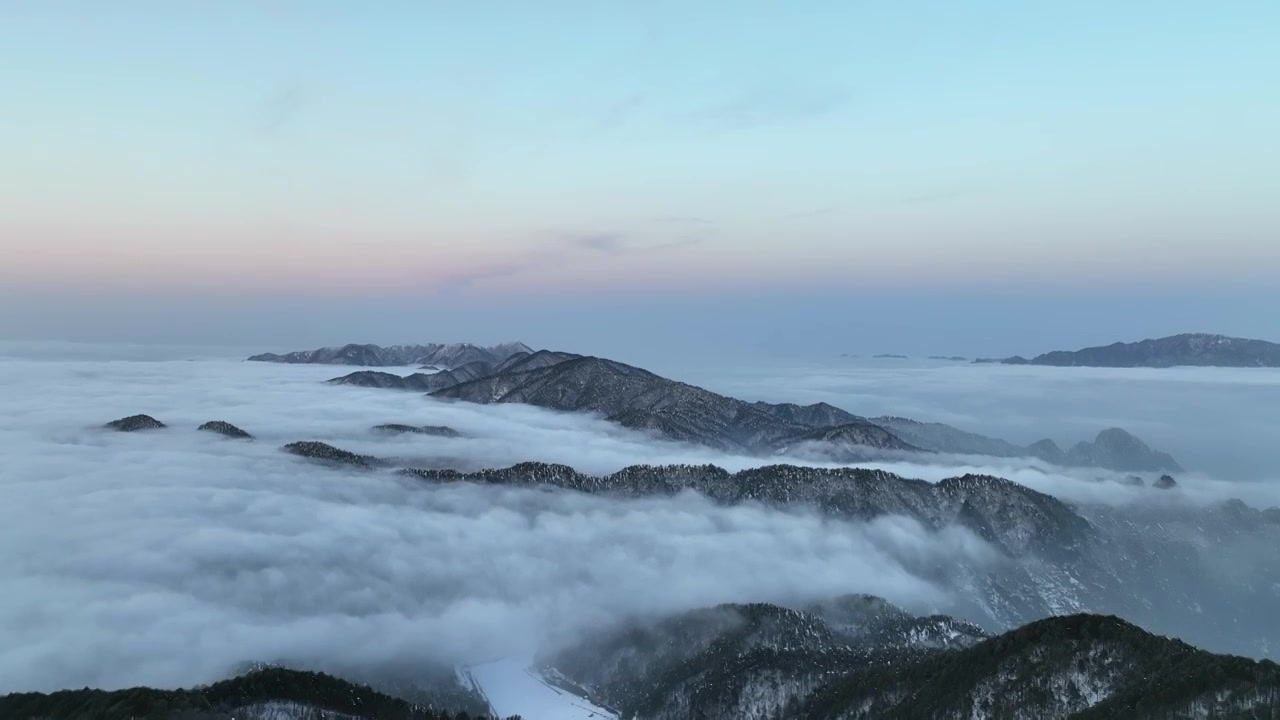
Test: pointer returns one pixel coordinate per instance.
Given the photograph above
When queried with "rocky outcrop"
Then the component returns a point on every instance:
(863, 659)
(226, 429)
(324, 452)
(134, 423)
(1118, 450)
(436, 430)
(419, 382)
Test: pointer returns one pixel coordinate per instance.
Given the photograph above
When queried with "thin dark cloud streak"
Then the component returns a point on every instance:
(281, 108)
(568, 247)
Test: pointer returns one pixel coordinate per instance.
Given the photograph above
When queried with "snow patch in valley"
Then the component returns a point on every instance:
(512, 687)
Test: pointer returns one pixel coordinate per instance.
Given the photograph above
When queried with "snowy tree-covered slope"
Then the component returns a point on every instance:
(1079, 666)
(764, 662)
(746, 661)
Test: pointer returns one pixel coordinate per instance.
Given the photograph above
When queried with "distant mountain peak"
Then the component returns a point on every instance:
(448, 355)
(1187, 349)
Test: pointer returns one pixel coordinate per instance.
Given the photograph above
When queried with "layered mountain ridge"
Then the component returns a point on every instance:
(642, 400)
(1151, 562)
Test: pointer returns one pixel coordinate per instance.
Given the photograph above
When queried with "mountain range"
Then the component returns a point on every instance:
(1194, 349)
(641, 400)
(433, 354)
(1150, 561)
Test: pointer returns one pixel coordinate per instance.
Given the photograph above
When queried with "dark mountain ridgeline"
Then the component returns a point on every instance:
(258, 694)
(1011, 516)
(641, 400)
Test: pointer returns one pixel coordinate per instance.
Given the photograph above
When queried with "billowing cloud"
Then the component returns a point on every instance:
(168, 557)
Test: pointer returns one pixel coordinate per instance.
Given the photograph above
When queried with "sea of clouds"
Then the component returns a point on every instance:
(171, 557)
(1218, 421)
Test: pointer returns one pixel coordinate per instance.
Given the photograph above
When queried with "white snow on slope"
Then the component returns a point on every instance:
(513, 688)
(281, 710)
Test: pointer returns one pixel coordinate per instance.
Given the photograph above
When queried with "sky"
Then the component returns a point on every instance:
(980, 178)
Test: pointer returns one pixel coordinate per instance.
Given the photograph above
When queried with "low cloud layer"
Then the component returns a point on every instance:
(168, 557)
(1219, 421)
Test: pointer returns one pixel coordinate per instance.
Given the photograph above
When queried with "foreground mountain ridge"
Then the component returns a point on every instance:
(861, 657)
(853, 657)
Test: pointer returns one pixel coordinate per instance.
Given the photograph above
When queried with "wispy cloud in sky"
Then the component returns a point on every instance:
(772, 106)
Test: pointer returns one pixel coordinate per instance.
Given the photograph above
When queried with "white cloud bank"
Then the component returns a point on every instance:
(168, 557)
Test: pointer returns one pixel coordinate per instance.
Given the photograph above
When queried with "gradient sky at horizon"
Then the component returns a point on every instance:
(945, 176)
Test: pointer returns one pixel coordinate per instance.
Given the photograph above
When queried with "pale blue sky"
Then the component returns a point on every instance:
(464, 160)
